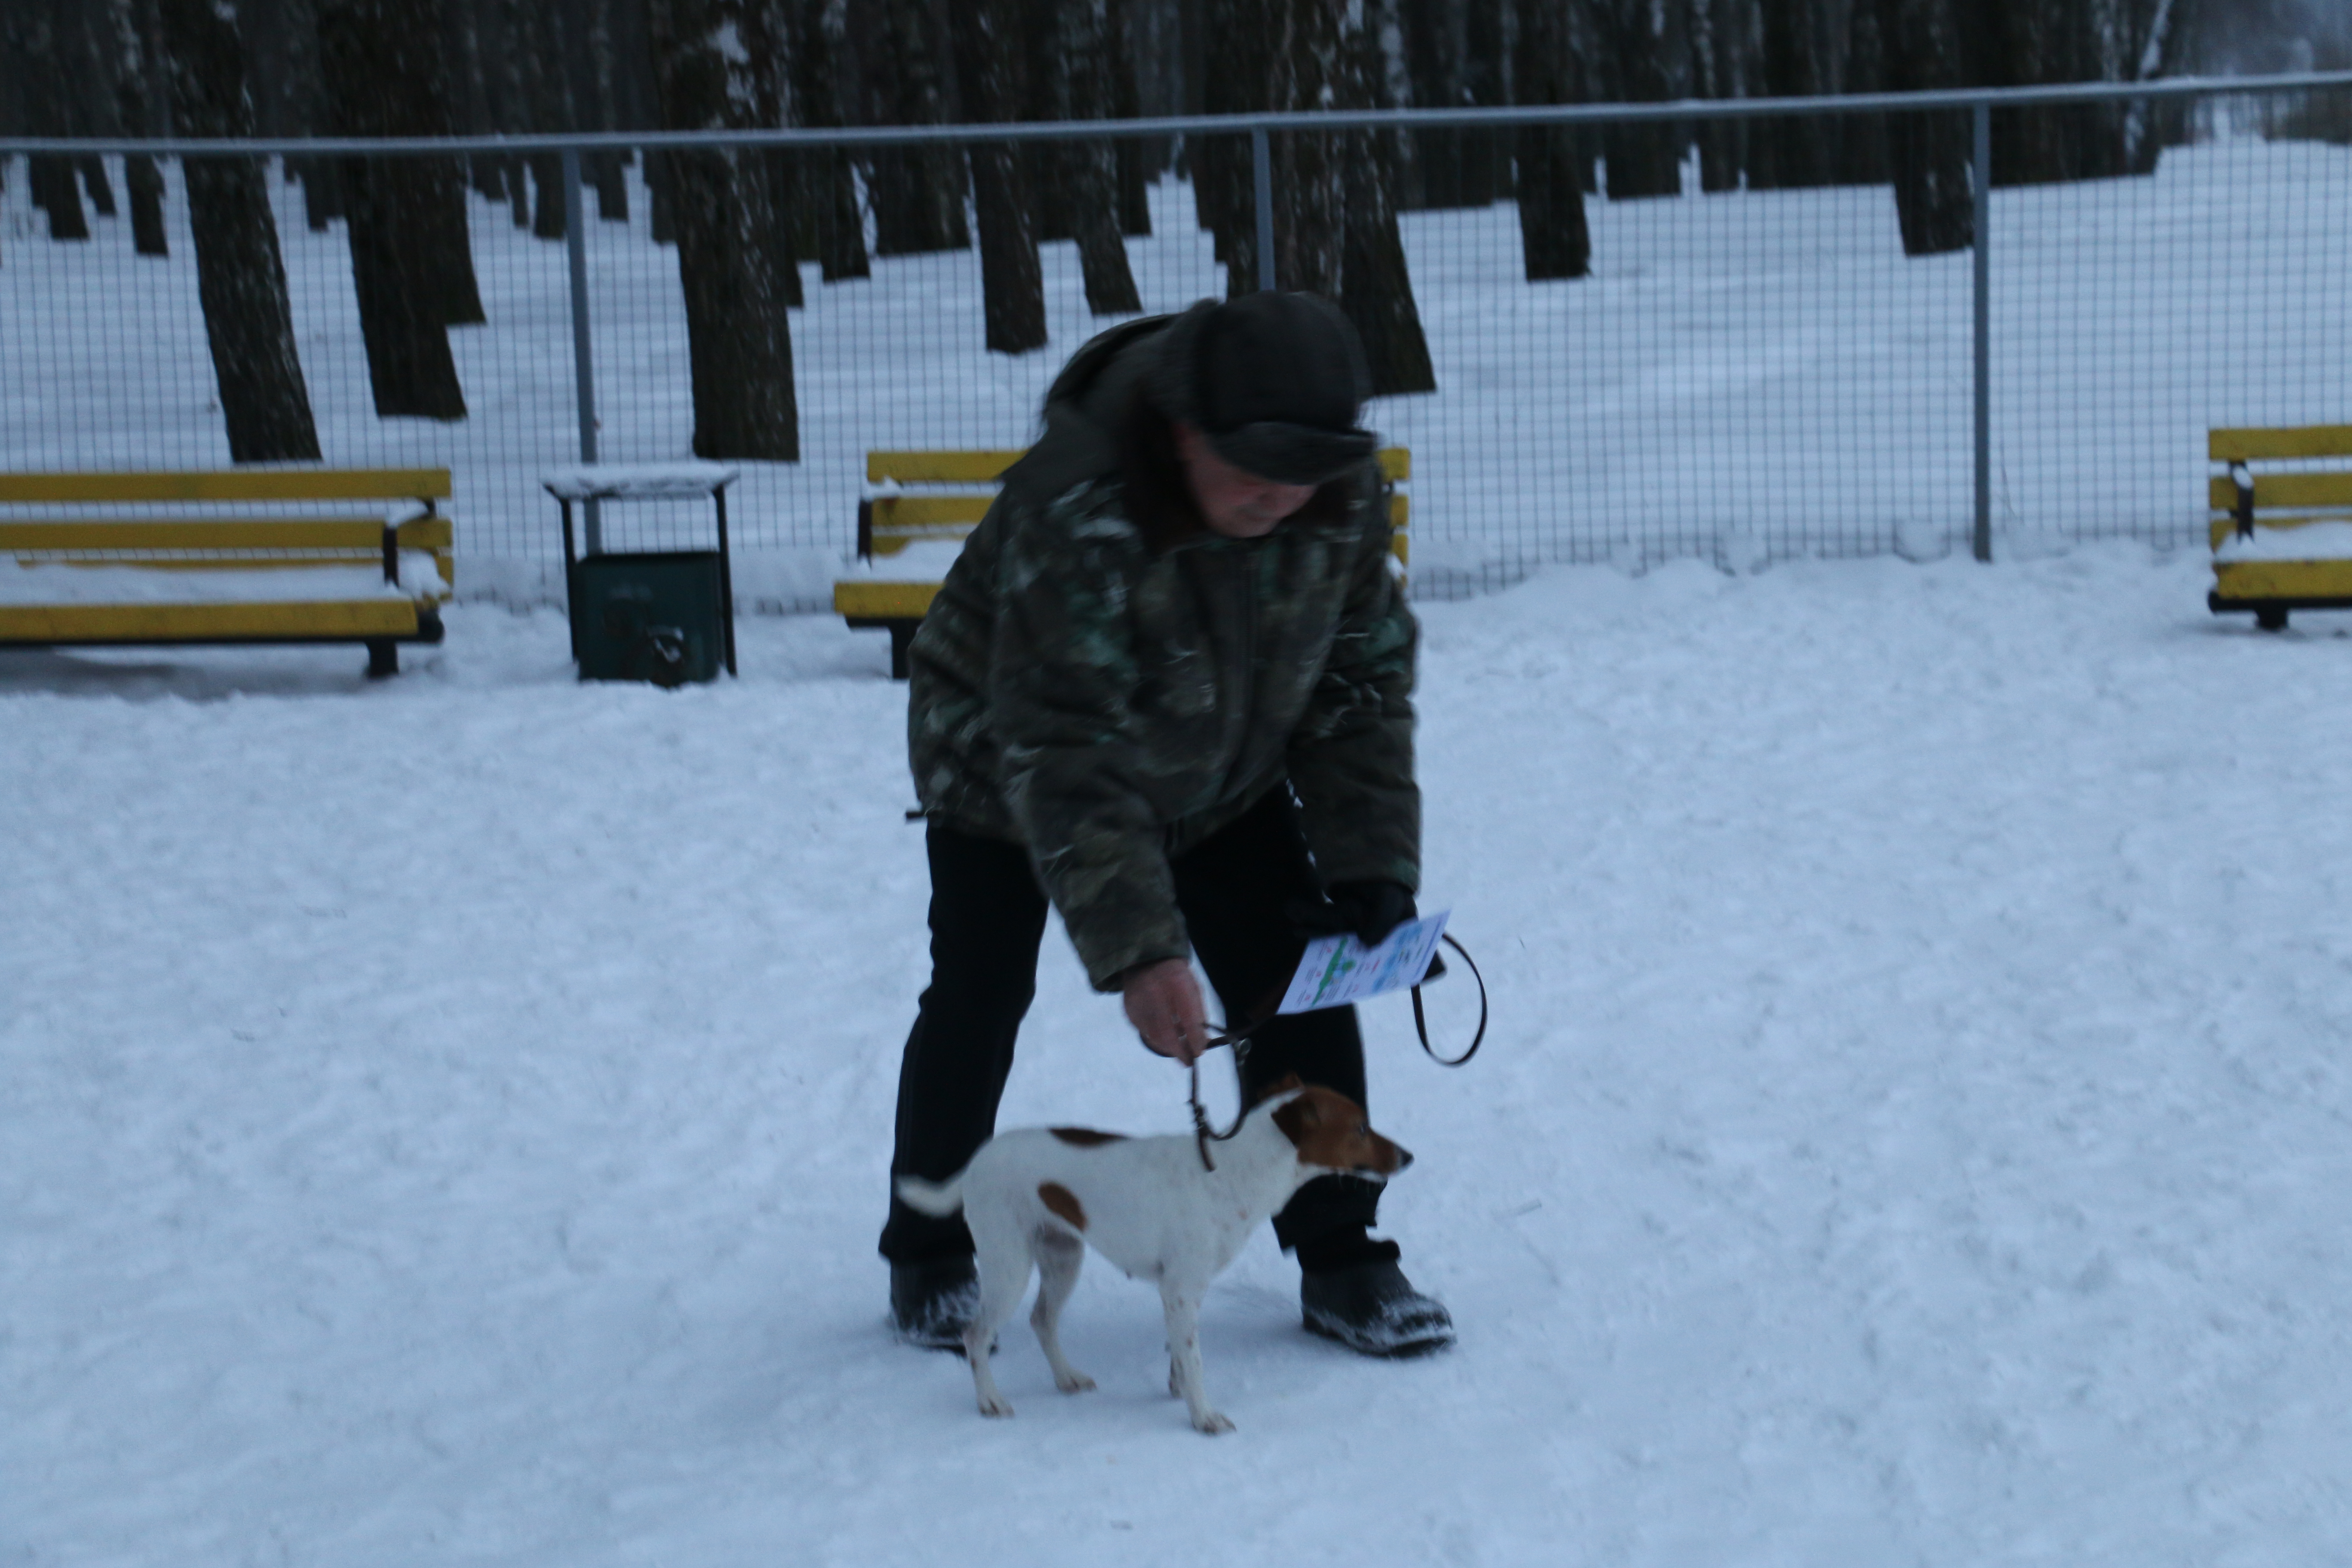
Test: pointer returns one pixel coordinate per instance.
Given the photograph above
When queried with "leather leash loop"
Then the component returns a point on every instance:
(1421, 1020)
(1205, 1134)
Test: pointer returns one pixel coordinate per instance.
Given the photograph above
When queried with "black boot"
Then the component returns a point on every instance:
(932, 1300)
(1353, 1291)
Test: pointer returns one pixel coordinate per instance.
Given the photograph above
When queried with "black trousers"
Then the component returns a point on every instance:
(988, 916)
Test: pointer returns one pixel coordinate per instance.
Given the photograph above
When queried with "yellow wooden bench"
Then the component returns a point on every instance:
(2270, 552)
(951, 501)
(160, 550)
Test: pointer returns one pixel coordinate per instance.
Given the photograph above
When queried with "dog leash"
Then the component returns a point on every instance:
(1204, 1134)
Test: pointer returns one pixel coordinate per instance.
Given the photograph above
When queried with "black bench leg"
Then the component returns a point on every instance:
(384, 657)
(902, 637)
(2271, 620)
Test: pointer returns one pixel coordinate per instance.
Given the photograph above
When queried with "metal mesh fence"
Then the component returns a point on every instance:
(1745, 375)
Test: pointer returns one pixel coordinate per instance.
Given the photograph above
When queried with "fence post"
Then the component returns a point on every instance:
(583, 374)
(1262, 179)
(1981, 178)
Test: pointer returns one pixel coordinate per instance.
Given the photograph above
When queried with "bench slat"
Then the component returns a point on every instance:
(2283, 579)
(229, 485)
(972, 468)
(883, 601)
(229, 533)
(223, 533)
(2284, 490)
(2300, 441)
(353, 618)
(916, 515)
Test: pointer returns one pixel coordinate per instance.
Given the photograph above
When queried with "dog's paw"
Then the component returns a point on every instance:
(995, 1406)
(1076, 1383)
(1211, 1423)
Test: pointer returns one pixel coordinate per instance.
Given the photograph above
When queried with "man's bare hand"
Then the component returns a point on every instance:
(1163, 1003)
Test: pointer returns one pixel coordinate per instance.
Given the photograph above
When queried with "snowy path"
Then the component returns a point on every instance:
(445, 1121)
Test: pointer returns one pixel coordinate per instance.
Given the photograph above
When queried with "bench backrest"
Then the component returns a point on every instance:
(2303, 479)
(886, 524)
(42, 520)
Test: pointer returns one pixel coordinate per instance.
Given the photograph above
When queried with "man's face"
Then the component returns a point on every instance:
(1233, 501)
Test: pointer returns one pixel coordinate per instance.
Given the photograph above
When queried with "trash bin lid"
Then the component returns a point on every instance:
(638, 482)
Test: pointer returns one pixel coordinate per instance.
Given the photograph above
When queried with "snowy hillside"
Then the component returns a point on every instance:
(445, 1121)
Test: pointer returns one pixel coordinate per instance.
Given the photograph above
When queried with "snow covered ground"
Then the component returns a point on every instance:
(1744, 377)
(444, 1121)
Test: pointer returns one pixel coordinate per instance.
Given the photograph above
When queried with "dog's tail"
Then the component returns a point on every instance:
(938, 1199)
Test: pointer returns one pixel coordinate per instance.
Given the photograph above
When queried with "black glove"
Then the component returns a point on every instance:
(1367, 910)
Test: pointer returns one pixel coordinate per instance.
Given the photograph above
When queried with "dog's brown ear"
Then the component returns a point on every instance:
(1283, 1085)
(1298, 1120)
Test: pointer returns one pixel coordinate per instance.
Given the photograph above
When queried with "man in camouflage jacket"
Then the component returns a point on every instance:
(1166, 688)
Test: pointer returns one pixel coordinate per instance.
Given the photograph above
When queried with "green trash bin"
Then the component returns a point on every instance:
(657, 615)
(663, 616)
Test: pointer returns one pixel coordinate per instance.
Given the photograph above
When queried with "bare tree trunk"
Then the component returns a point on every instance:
(1306, 52)
(819, 44)
(990, 55)
(2149, 128)
(710, 60)
(601, 62)
(1375, 285)
(1435, 40)
(1138, 162)
(1791, 151)
(144, 113)
(35, 28)
(1234, 81)
(2032, 45)
(1553, 238)
(1721, 53)
(536, 95)
(1635, 39)
(301, 98)
(1079, 88)
(411, 263)
(1485, 163)
(102, 189)
(1863, 155)
(1934, 202)
(918, 192)
(240, 277)
(58, 192)
(772, 105)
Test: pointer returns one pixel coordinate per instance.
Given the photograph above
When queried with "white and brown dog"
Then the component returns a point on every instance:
(1040, 1195)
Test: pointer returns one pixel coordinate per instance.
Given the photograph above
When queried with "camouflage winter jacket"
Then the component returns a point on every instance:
(1105, 681)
